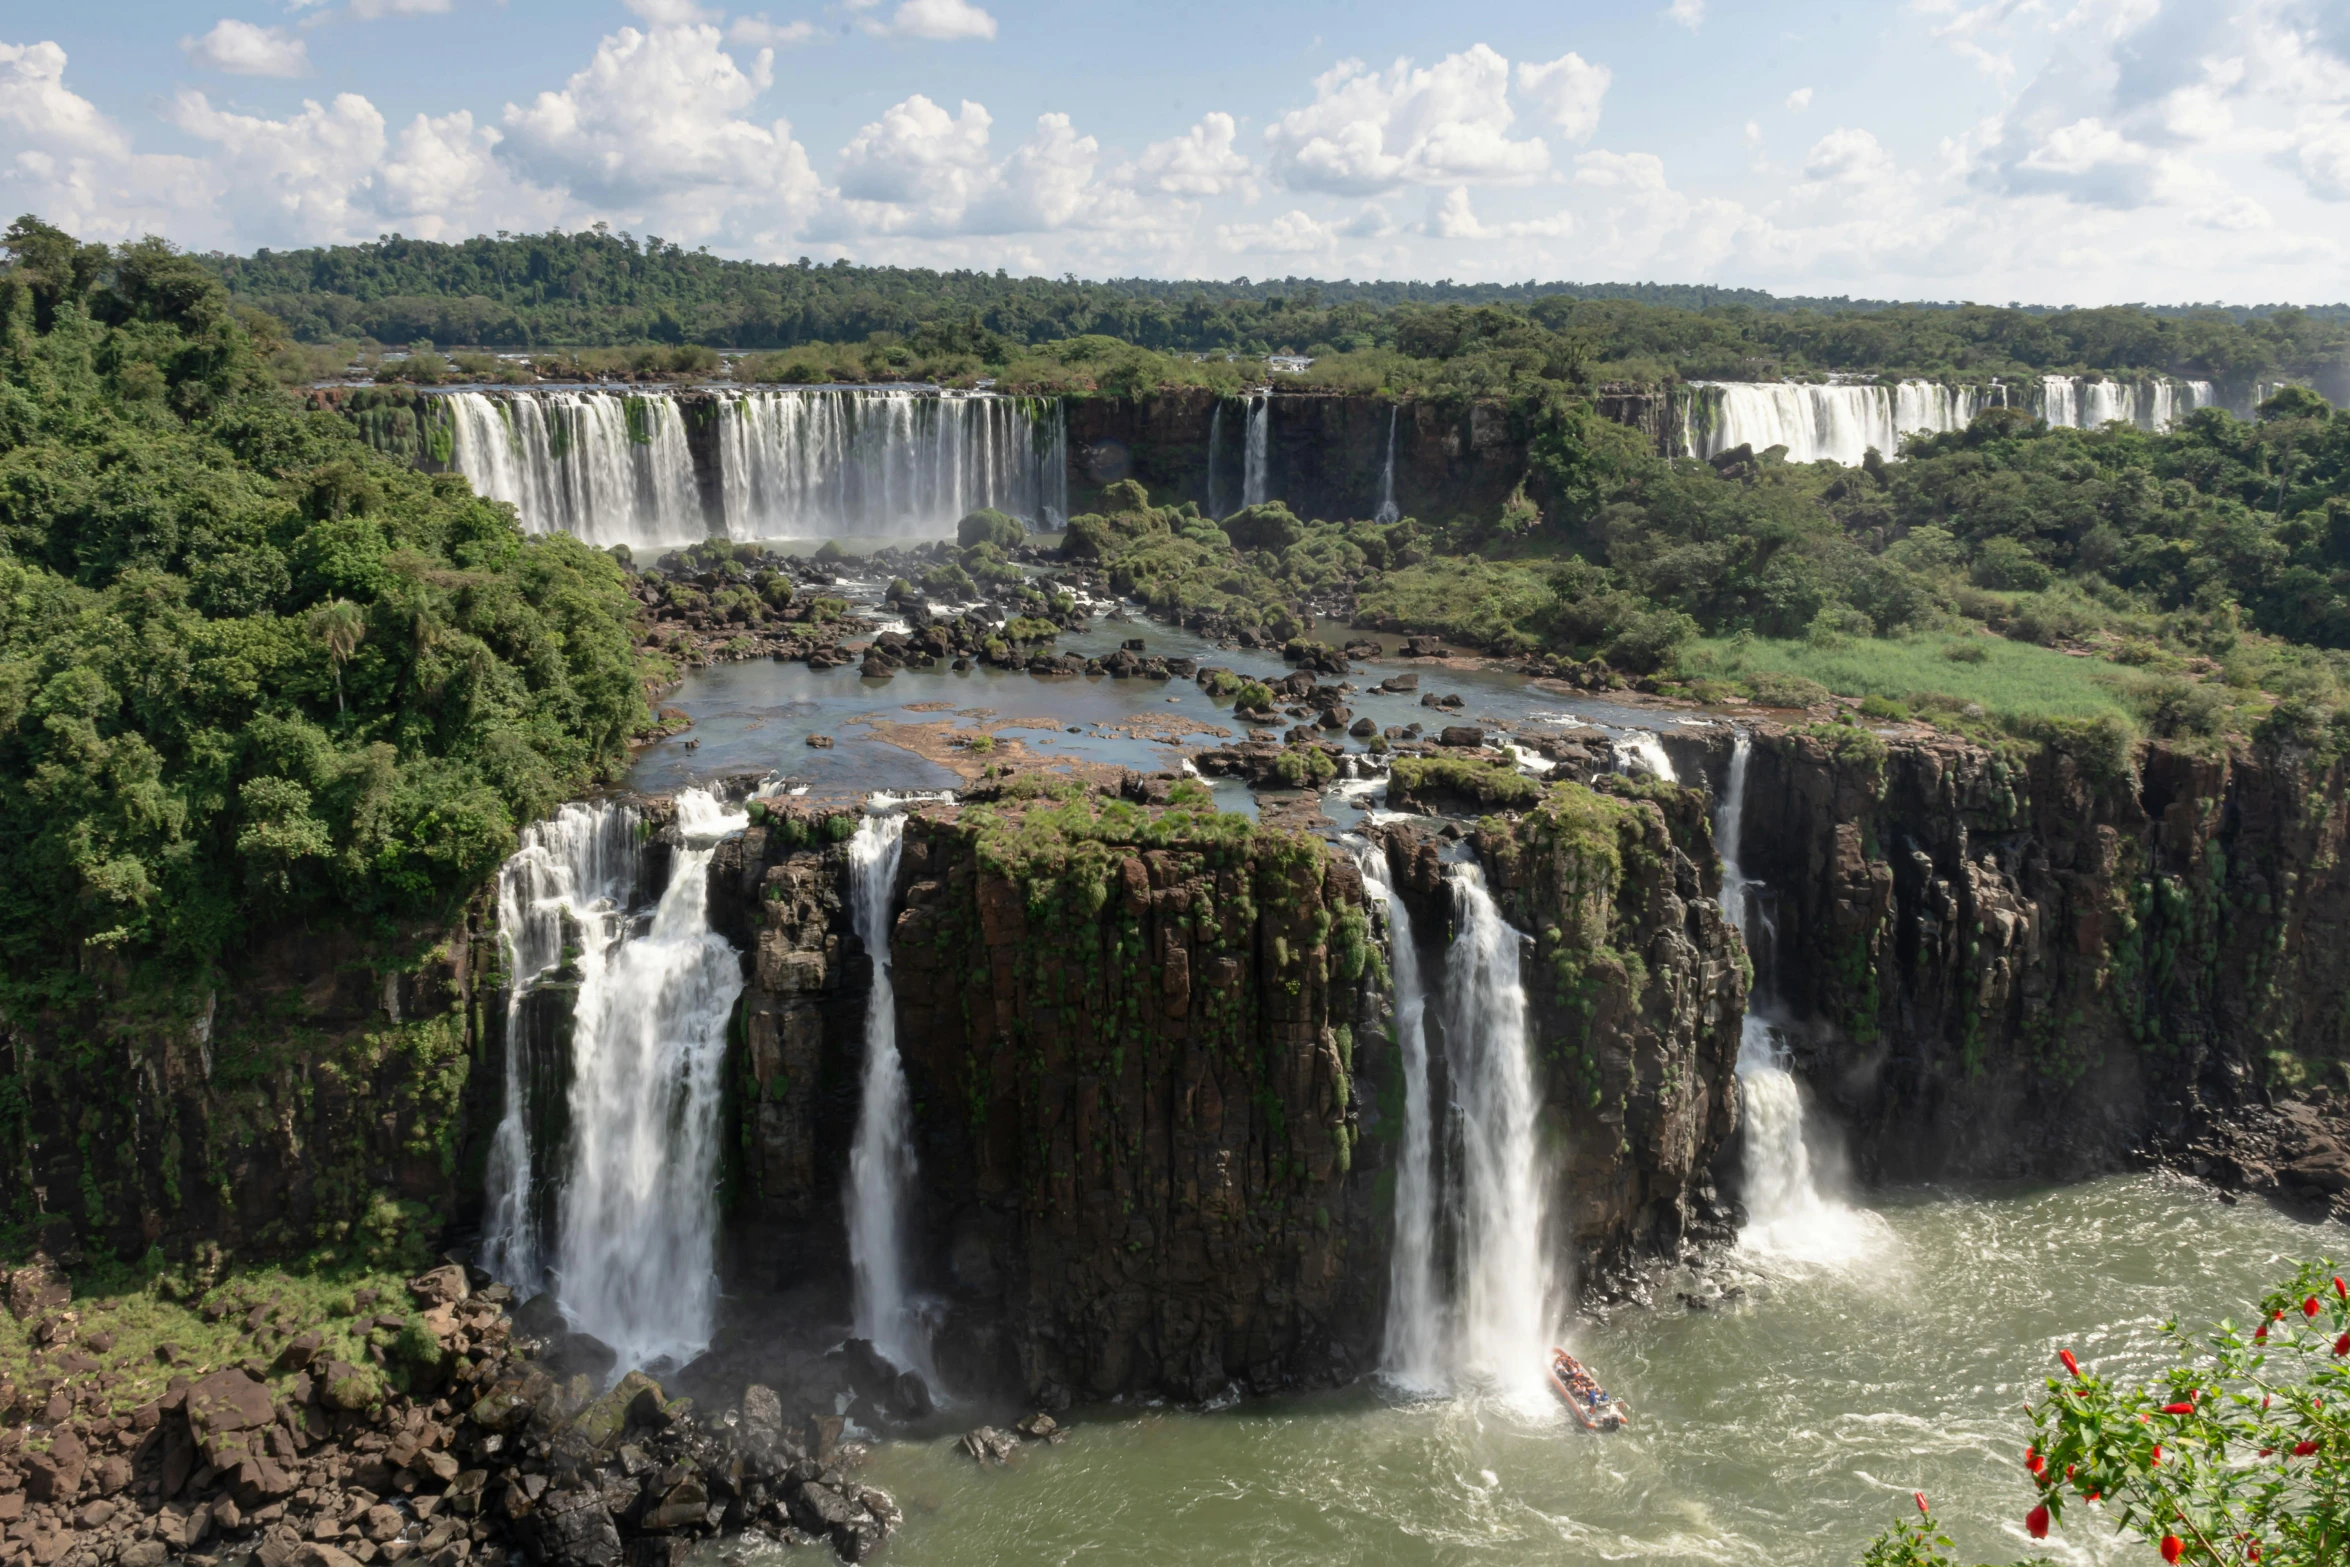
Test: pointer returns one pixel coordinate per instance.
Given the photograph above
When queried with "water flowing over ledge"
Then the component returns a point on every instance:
(1843, 423)
(648, 469)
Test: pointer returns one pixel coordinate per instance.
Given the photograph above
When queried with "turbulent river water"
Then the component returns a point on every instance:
(1784, 1427)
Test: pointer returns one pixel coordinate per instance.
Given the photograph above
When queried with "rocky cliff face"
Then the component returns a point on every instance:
(1636, 989)
(2037, 960)
(1324, 453)
(324, 1093)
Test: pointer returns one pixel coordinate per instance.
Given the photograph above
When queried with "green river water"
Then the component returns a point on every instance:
(1787, 1427)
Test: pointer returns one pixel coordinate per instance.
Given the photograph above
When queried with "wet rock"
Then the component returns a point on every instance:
(987, 1445)
(824, 742)
(1461, 735)
(1396, 683)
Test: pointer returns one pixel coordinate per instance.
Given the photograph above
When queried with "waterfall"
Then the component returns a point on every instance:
(1504, 1270)
(2153, 404)
(1411, 1348)
(606, 468)
(881, 1159)
(1789, 1216)
(1840, 423)
(892, 462)
(1388, 510)
(573, 873)
(635, 1251)
(1640, 751)
(1253, 461)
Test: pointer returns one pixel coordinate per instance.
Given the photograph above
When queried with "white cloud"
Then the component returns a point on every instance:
(242, 49)
(1620, 170)
(653, 130)
(672, 13)
(1200, 162)
(941, 21)
(304, 177)
(2323, 158)
(1294, 233)
(1568, 91)
(1754, 134)
(376, 10)
(920, 172)
(1799, 100)
(760, 33)
(1848, 156)
(64, 159)
(1687, 12)
(1452, 216)
(1369, 131)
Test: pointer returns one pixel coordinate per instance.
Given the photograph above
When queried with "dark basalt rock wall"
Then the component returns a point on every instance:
(325, 1091)
(2047, 961)
(1324, 452)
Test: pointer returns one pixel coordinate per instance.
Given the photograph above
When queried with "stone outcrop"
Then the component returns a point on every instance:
(1131, 1036)
(1635, 989)
(2047, 959)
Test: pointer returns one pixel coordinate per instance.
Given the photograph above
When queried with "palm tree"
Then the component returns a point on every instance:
(340, 626)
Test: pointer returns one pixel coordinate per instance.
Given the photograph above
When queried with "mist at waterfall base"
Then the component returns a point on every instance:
(1793, 1214)
(1785, 1426)
(633, 1257)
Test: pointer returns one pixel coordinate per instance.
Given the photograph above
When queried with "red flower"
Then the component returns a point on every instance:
(2158, 1455)
(2309, 1307)
(2173, 1548)
(1921, 1501)
(2070, 1364)
(2304, 1449)
(2036, 1522)
(2264, 1452)
(2252, 1551)
(2260, 1334)
(2033, 1462)
(2340, 1288)
(2342, 1345)
(2178, 1409)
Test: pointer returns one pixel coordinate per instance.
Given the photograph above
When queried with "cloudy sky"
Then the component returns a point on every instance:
(2065, 151)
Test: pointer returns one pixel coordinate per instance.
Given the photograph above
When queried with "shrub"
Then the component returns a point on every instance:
(989, 526)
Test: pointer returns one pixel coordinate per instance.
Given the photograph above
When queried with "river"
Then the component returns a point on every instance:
(1786, 1427)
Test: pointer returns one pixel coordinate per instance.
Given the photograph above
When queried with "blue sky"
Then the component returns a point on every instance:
(2069, 151)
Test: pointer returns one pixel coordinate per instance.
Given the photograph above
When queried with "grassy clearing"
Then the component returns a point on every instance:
(2009, 681)
(126, 1331)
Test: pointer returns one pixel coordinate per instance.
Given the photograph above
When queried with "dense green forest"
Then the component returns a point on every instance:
(595, 289)
(250, 670)
(2193, 585)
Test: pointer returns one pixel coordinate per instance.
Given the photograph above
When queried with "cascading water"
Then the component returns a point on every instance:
(1640, 751)
(1388, 510)
(1215, 457)
(1841, 422)
(1412, 1346)
(789, 463)
(1255, 456)
(635, 1253)
(1504, 1272)
(1838, 422)
(602, 467)
(1789, 1216)
(881, 1158)
(575, 872)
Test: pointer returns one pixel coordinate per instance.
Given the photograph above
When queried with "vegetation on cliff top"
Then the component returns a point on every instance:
(852, 323)
(252, 672)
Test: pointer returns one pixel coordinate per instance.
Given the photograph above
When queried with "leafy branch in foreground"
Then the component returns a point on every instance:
(2233, 1457)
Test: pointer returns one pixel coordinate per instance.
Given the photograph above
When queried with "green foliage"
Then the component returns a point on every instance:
(250, 670)
(989, 526)
(2238, 1452)
(1482, 784)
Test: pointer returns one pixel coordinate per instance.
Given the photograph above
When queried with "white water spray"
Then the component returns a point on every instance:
(881, 1159)
(579, 867)
(1412, 1346)
(1640, 751)
(1388, 510)
(1505, 1281)
(1790, 1217)
(1255, 456)
(636, 1233)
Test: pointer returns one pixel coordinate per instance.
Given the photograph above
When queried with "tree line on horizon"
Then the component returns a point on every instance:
(597, 289)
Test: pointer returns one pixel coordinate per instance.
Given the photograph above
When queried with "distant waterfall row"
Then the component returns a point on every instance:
(1843, 422)
(655, 469)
